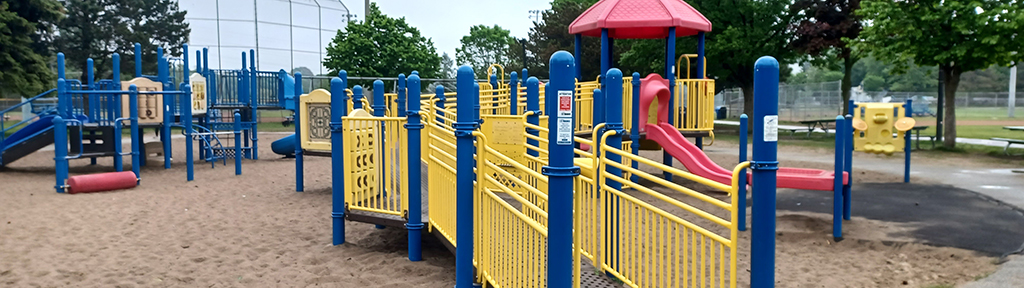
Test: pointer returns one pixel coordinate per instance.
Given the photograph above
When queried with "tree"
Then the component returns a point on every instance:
(99, 28)
(447, 72)
(743, 31)
(485, 46)
(304, 70)
(873, 83)
(382, 46)
(552, 34)
(955, 35)
(825, 30)
(23, 62)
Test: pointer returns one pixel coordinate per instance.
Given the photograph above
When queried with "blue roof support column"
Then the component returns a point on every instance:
(670, 58)
(133, 104)
(413, 126)
(577, 56)
(560, 169)
(533, 108)
(254, 102)
(700, 56)
(605, 51)
(513, 93)
(339, 105)
(466, 123)
(138, 59)
(403, 93)
(165, 132)
(298, 132)
(634, 132)
(741, 219)
(186, 120)
(765, 165)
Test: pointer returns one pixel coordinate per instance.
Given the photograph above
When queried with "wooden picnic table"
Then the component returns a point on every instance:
(819, 123)
(917, 135)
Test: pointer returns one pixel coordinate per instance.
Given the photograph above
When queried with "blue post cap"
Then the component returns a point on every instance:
(414, 81)
(560, 58)
(766, 62)
(337, 87)
(343, 74)
(378, 84)
(414, 72)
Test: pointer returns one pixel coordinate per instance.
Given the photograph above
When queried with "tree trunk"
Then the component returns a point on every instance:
(748, 100)
(950, 84)
(847, 82)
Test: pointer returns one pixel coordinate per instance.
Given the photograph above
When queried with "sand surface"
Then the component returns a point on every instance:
(253, 230)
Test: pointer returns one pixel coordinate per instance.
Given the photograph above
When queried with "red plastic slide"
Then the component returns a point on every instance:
(699, 164)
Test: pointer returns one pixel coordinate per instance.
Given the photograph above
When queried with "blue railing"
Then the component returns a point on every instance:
(49, 108)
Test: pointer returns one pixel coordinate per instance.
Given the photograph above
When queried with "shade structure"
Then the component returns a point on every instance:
(640, 19)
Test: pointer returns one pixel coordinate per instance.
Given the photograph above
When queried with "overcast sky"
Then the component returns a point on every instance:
(447, 21)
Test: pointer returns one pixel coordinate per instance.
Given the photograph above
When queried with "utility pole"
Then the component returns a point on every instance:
(366, 9)
(535, 15)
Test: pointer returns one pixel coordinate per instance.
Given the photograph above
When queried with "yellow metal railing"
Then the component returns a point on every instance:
(646, 246)
(441, 164)
(694, 105)
(375, 159)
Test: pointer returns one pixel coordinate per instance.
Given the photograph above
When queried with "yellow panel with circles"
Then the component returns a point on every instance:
(880, 127)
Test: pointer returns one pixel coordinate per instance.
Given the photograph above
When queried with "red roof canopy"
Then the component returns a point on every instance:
(640, 19)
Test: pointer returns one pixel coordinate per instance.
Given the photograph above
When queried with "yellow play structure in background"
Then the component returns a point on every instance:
(879, 127)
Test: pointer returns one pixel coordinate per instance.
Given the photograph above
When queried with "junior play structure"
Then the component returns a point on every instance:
(88, 119)
(510, 162)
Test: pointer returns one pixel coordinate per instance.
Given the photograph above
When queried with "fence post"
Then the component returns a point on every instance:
(838, 201)
(238, 142)
(533, 105)
(402, 94)
(467, 122)
(60, 154)
(414, 126)
(133, 113)
(298, 133)
(765, 165)
(339, 107)
(560, 169)
(513, 93)
(742, 197)
(186, 120)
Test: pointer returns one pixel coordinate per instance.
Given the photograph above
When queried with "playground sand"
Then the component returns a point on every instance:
(255, 231)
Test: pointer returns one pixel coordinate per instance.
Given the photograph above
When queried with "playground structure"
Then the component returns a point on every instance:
(878, 127)
(90, 117)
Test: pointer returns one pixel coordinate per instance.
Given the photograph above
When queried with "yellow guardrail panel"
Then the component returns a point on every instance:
(315, 119)
(375, 163)
(695, 104)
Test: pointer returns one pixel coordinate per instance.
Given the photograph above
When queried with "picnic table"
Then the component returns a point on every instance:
(1013, 128)
(917, 135)
(820, 123)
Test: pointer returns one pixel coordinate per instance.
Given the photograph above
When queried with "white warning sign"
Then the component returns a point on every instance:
(564, 135)
(771, 128)
(565, 103)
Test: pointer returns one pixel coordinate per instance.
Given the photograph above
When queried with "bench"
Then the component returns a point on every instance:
(1008, 143)
(793, 129)
(917, 131)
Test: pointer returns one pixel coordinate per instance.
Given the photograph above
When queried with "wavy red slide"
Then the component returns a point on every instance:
(699, 164)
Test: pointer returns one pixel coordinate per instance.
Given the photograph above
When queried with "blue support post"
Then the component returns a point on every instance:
(186, 120)
(612, 104)
(560, 169)
(700, 56)
(513, 85)
(577, 56)
(357, 97)
(138, 59)
(60, 151)
(523, 76)
(909, 112)
(598, 105)
(847, 196)
(116, 109)
(199, 61)
(837, 198)
(184, 67)
(605, 50)
(159, 52)
(439, 103)
(742, 197)
(133, 104)
(533, 105)
(670, 59)
(466, 123)
(379, 104)
(765, 166)
(298, 132)
(254, 105)
(634, 132)
(339, 105)
(494, 86)
(60, 65)
(206, 63)
(89, 77)
(165, 132)
(402, 94)
(92, 100)
(413, 125)
(238, 143)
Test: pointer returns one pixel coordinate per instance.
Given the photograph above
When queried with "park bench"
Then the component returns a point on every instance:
(793, 129)
(1008, 143)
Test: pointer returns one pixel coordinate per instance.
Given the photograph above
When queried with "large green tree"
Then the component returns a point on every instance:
(23, 60)
(485, 46)
(99, 28)
(552, 34)
(824, 29)
(382, 46)
(743, 31)
(955, 35)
